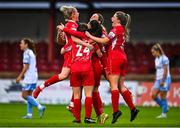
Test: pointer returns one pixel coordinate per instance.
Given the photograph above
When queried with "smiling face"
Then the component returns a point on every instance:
(75, 15)
(115, 20)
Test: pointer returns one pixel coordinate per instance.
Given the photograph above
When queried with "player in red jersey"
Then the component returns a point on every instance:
(95, 29)
(104, 47)
(117, 62)
(71, 16)
(98, 17)
(98, 70)
(81, 76)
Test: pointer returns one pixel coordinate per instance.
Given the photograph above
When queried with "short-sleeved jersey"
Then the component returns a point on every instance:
(31, 74)
(82, 36)
(116, 36)
(81, 58)
(117, 40)
(159, 63)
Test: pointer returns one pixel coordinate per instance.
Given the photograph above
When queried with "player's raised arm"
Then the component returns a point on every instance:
(97, 39)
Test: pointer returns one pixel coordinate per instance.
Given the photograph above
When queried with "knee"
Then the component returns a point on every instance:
(24, 96)
(114, 87)
(63, 75)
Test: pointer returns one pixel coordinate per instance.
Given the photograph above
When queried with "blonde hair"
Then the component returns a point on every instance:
(125, 20)
(157, 47)
(67, 11)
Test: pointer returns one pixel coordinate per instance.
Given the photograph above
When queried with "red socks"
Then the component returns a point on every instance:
(115, 100)
(77, 109)
(128, 99)
(51, 80)
(97, 103)
(88, 107)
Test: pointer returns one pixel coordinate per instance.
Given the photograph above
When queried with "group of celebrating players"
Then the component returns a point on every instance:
(88, 53)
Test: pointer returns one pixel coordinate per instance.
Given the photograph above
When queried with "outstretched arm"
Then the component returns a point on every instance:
(80, 42)
(97, 39)
(71, 32)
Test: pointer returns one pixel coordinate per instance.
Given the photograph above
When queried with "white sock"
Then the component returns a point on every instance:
(163, 114)
(39, 106)
(71, 104)
(29, 114)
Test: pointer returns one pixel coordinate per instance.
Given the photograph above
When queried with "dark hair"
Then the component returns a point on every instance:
(157, 47)
(125, 20)
(30, 43)
(82, 27)
(101, 18)
(96, 29)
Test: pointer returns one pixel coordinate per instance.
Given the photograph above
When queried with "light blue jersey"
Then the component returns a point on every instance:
(159, 63)
(31, 75)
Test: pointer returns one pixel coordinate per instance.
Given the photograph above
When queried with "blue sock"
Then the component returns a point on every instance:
(29, 108)
(158, 101)
(32, 101)
(164, 105)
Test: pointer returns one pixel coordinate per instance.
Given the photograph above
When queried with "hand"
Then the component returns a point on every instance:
(61, 34)
(60, 27)
(162, 83)
(87, 34)
(18, 79)
(90, 46)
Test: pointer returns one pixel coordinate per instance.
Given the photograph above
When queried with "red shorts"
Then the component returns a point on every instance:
(67, 60)
(97, 69)
(117, 66)
(78, 79)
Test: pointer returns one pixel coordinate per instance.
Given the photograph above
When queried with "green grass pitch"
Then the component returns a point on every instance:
(57, 115)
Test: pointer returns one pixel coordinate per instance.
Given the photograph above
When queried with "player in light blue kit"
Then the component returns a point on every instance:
(29, 72)
(163, 79)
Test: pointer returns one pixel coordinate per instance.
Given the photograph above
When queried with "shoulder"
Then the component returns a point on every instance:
(120, 29)
(71, 25)
(164, 57)
(29, 52)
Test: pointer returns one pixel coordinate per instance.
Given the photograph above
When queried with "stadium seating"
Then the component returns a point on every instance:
(140, 60)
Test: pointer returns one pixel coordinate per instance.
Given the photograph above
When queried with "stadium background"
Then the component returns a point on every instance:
(152, 21)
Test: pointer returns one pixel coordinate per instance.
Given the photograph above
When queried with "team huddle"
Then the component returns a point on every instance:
(89, 52)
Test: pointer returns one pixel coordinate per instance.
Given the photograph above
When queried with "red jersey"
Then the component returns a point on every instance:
(67, 55)
(83, 36)
(72, 25)
(117, 38)
(81, 55)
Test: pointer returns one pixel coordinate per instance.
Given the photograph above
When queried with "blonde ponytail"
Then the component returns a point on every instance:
(127, 27)
(160, 48)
